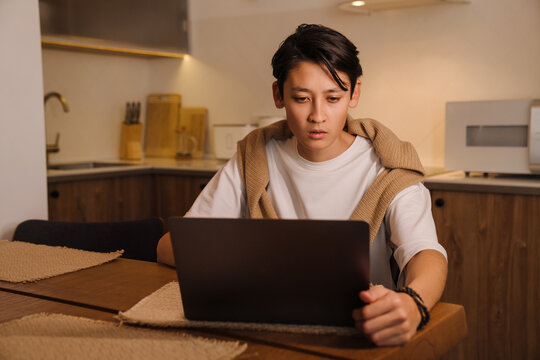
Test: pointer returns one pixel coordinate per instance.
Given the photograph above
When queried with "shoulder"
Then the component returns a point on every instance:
(416, 194)
(285, 145)
(278, 130)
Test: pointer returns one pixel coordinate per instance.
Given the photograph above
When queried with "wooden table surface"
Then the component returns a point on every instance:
(102, 291)
(16, 305)
(114, 286)
(446, 328)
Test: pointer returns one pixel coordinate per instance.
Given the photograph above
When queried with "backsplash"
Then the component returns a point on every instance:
(96, 88)
(415, 60)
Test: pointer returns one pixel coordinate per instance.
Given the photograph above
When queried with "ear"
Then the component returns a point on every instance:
(356, 94)
(278, 100)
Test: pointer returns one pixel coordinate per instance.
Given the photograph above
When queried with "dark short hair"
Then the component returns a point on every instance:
(321, 45)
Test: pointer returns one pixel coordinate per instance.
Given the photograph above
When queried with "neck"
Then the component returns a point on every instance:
(343, 142)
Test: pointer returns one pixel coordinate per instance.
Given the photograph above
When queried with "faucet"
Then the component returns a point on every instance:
(54, 148)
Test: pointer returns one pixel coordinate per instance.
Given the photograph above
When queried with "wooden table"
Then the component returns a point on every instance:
(102, 291)
(16, 305)
(114, 286)
(446, 328)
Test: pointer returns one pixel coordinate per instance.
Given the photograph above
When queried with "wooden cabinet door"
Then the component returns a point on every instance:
(177, 193)
(493, 249)
(120, 198)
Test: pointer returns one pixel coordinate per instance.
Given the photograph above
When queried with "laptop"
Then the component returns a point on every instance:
(271, 271)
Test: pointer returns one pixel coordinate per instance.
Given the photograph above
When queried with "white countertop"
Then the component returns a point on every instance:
(510, 184)
(148, 165)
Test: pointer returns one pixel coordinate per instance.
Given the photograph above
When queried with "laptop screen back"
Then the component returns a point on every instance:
(271, 271)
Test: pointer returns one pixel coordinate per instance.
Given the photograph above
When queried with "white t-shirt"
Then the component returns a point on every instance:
(301, 189)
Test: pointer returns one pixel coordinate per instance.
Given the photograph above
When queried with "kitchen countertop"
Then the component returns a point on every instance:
(477, 182)
(193, 167)
(436, 178)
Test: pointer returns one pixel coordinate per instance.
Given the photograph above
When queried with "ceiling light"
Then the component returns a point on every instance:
(367, 6)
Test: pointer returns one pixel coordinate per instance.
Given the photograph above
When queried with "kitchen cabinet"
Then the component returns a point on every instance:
(493, 245)
(125, 197)
(177, 193)
(133, 27)
(115, 198)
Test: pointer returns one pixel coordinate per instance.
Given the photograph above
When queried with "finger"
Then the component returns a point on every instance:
(372, 294)
(381, 306)
(393, 319)
(391, 301)
(357, 314)
(368, 296)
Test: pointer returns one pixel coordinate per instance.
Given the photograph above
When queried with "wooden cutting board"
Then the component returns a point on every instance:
(162, 113)
(193, 121)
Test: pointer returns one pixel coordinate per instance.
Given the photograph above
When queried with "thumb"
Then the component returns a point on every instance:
(373, 294)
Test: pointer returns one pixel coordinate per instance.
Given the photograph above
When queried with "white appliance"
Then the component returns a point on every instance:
(493, 136)
(226, 136)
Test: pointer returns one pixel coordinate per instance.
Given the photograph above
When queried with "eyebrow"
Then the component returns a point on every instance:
(333, 90)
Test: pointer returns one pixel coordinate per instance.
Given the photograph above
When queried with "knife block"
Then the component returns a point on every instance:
(131, 143)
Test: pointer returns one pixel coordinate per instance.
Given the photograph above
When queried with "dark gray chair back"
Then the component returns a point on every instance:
(138, 238)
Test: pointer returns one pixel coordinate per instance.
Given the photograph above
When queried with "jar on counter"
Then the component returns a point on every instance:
(185, 144)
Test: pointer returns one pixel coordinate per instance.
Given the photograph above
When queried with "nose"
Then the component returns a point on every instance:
(318, 113)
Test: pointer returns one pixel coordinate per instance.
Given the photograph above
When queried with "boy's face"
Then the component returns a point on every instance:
(316, 109)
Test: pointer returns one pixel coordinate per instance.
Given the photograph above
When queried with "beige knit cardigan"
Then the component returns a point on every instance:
(403, 169)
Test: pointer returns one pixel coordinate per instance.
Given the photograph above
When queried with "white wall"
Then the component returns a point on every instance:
(23, 190)
(96, 88)
(415, 60)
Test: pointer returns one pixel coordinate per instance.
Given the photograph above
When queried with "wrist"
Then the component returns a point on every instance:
(422, 308)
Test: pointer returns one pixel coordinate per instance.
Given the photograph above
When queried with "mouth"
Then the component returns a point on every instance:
(317, 134)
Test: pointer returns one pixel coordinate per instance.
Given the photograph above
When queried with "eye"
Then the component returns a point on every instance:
(301, 99)
(334, 99)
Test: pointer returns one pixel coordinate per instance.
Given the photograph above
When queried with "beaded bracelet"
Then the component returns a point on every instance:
(424, 313)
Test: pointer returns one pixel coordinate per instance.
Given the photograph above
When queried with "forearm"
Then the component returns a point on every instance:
(426, 274)
(164, 250)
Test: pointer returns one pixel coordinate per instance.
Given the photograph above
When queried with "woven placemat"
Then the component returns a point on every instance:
(22, 261)
(163, 308)
(55, 336)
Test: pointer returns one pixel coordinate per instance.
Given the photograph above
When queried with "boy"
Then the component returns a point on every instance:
(321, 164)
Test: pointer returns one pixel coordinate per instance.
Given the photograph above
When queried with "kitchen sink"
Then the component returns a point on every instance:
(86, 165)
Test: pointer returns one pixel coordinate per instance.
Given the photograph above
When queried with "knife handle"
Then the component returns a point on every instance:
(127, 117)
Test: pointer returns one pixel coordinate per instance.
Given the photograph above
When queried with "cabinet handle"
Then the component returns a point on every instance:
(439, 202)
(55, 194)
